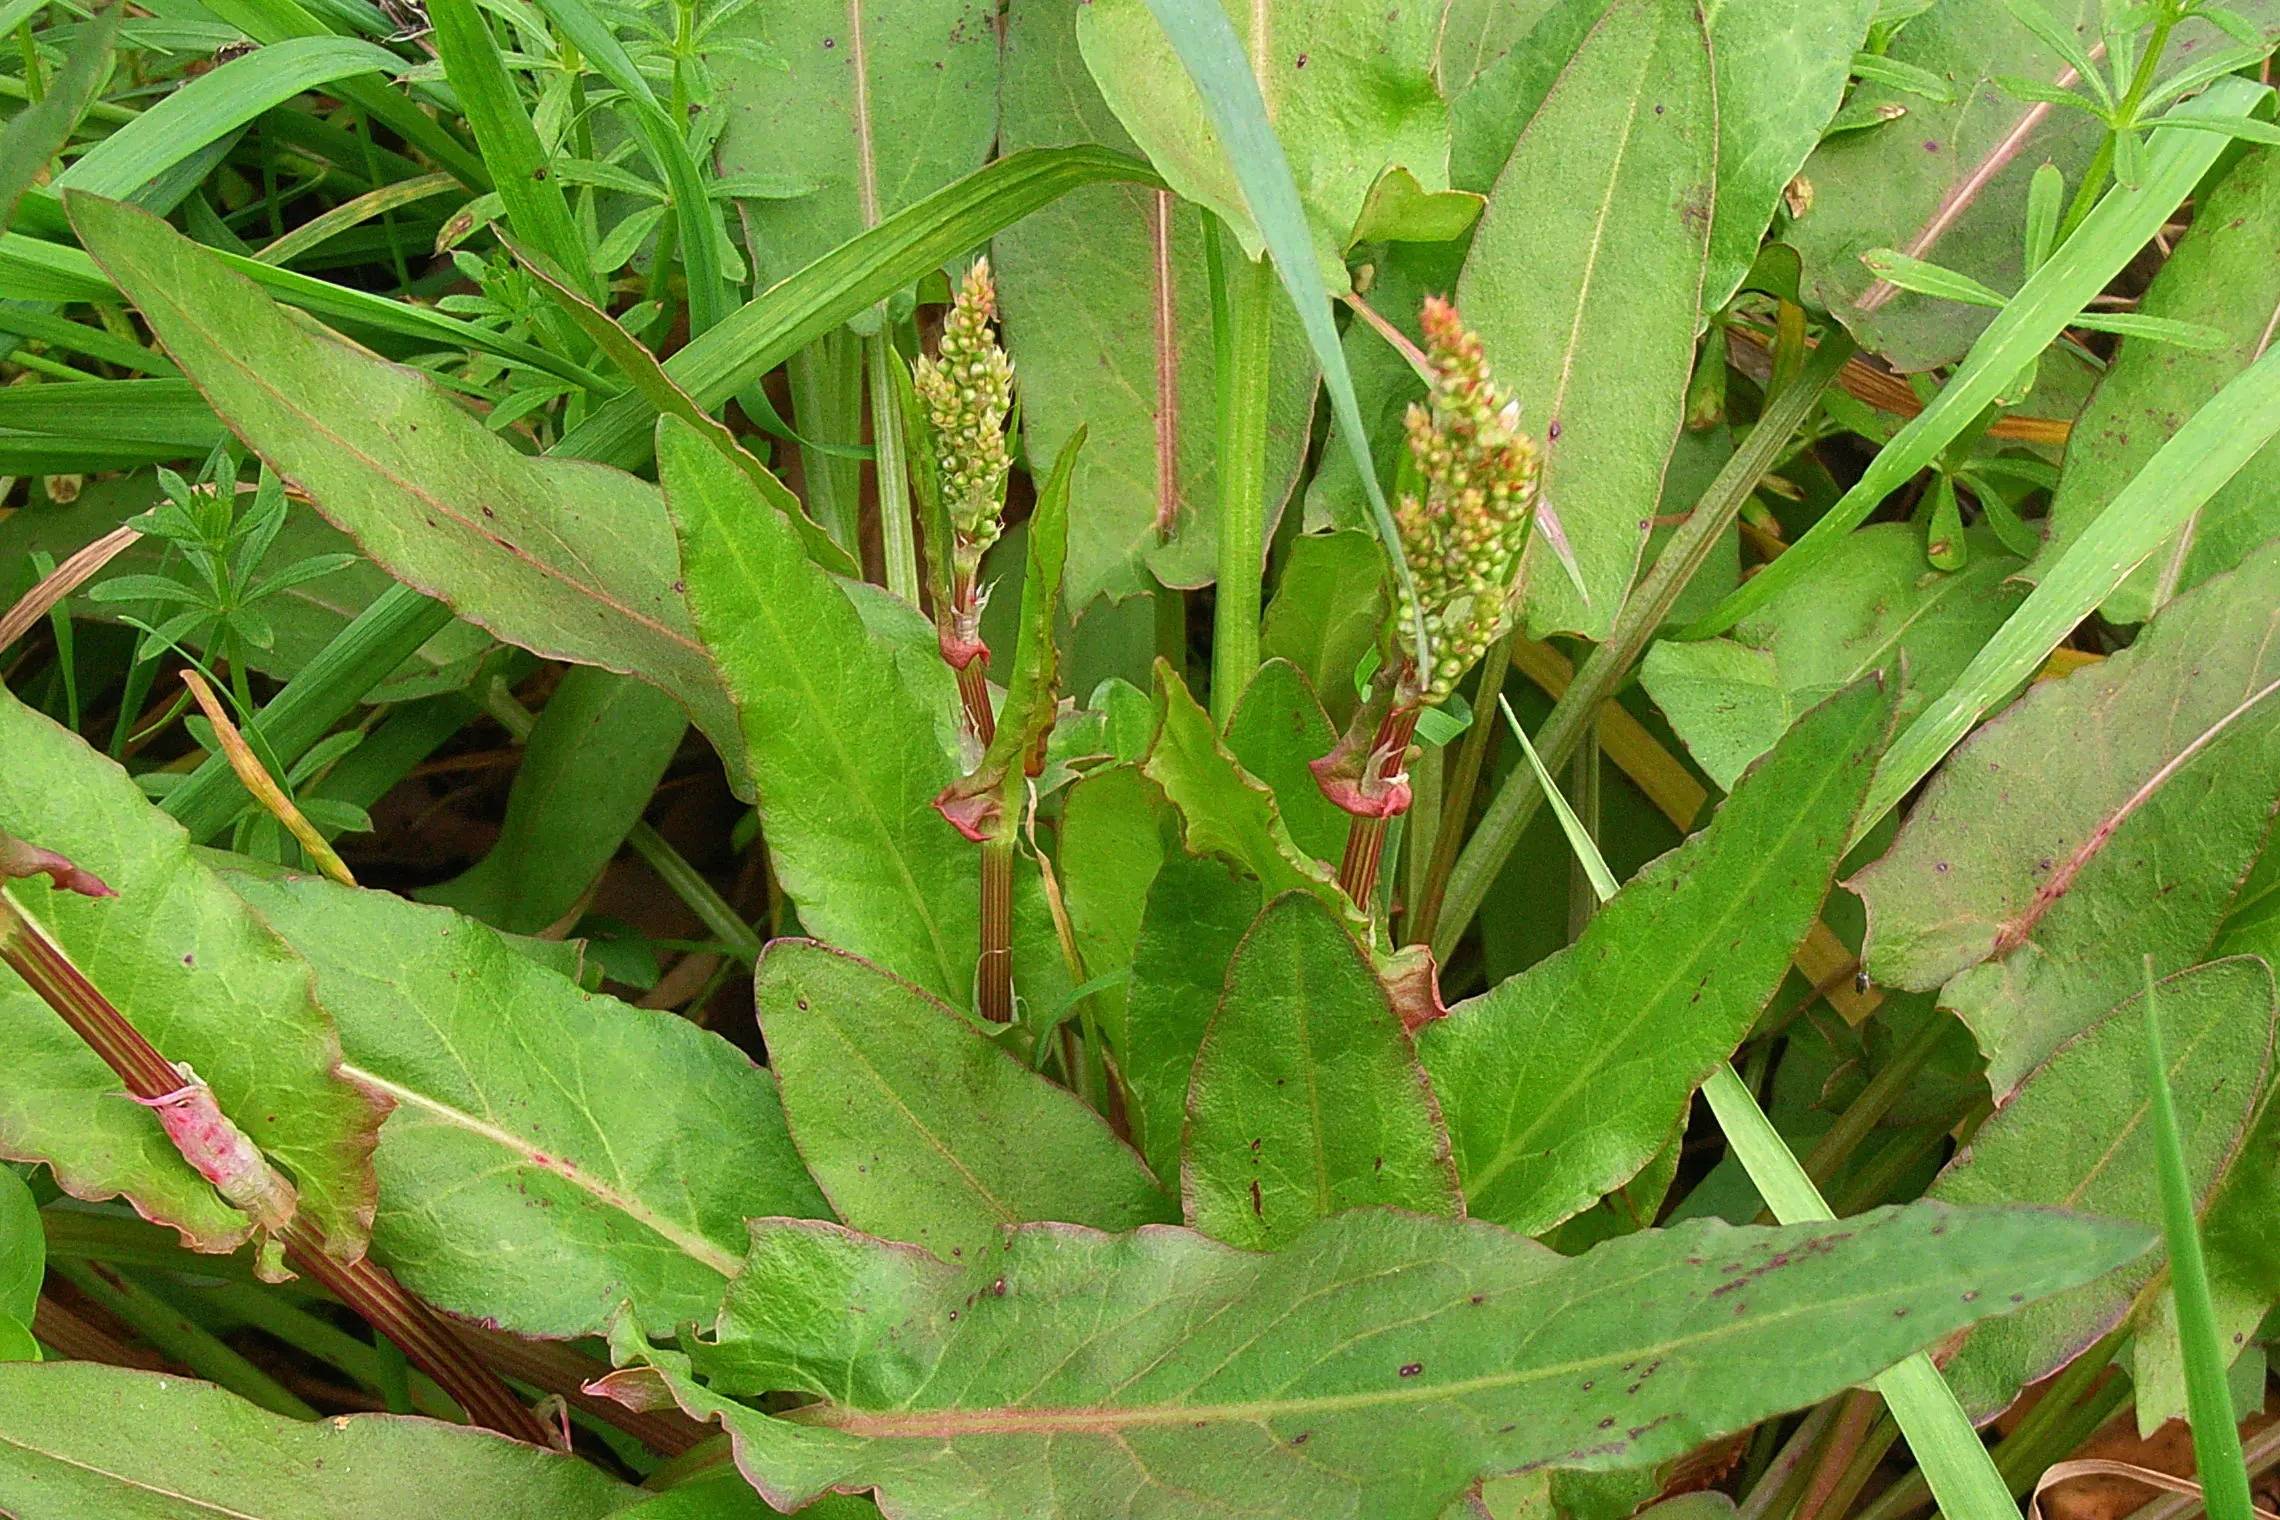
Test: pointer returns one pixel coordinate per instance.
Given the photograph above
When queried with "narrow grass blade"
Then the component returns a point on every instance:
(2208, 1398)
(1213, 56)
(2199, 458)
(36, 134)
(1955, 1461)
(2107, 239)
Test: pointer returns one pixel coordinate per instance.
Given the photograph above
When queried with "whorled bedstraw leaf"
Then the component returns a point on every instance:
(553, 1152)
(1375, 1366)
(1307, 1099)
(844, 750)
(2101, 818)
(1873, 604)
(1583, 282)
(1349, 91)
(1561, 1083)
(1080, 281)
(200, 975)
(2224, 274)
(2078, 1134)
(568, 559)
(79, 1438)
(921, 1129)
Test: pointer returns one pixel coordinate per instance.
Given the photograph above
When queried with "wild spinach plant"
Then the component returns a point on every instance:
(875, 684)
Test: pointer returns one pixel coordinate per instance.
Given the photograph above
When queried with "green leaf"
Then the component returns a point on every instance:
(77, 1438)
(918, 1127)
(565, 558)
(23, 1248)
(1326, 613)
(38, 132)
(843, 747)
(1584, 280)
(1195, 913)
(553, 1152)
(200, 975)
(2079, 1134)
(592, 762)
(2107, 239)
(1115, 829)
(2133, 791)
(1766, 130)
(1348, 89)
(1275, 731)
(1079, 281)
(1948, 181)
(2223, 275)
(880, 105)
(1307, 1099)
(1412, 1355)
(1875, 605)
(1561, 1083)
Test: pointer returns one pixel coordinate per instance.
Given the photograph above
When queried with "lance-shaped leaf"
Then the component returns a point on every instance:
(2136, 791)
(200, 975)
(1377, 1365)
(1326, 612)
(166, 1446)
(567, 559)
(1561, 1083)
(1873, 605)
(1194, 916)
(1307, 1099)
(918, 1127)
(553, 1153)
(843, 748)
(1079, 281)
(875, 105)
(2224, 275)
(1349, 91)
(1276, 731)
(2078, 1134)
(1583, 282)
(1115, 829)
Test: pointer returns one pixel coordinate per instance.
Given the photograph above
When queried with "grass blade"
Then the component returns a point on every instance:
(2107, 239)
(2208, 1398)
(36, 134)
(1963, 1476)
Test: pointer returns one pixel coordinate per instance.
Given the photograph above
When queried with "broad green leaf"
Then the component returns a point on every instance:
(78, 1438)
(200, 975)
(1079, 280)
(1326, 613)
(920, 1128)
(593, 760)
(1195, 914)
(879, 105)
(1223, 809)
(1349, 91)
(2078, 1134)
(1583, 282)
(1561, 1083)
(2121, 795)
(1946, 181)
(553, 1153)
(1115, 828)
(1307, 1099)
(1782, 67)
(1377, 1365)
(2224, 274)
(568, 559)
(1275, 730)
(1875, 604)
(844, 750)
(23, 1248)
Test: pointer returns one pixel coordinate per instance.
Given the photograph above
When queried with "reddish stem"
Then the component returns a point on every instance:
(1365, 836)
(361, 1284)
(996, 967)
(974, 691)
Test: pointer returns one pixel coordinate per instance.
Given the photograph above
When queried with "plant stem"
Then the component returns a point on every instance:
(974, 694)
(362, 1285)
(1242, 486)
(1583, 798)
(995, 968)
(1866, 1111)
(898, 541)
(1855, 1415)
(1457, 792)
(180, 1338)
(2094, 178)
(1365, 836)
(1516, 801)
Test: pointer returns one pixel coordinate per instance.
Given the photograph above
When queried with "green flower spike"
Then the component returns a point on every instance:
(967, 390)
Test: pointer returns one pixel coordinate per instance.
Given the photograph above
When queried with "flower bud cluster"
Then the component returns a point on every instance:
(967, 390)
(1465, 534)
